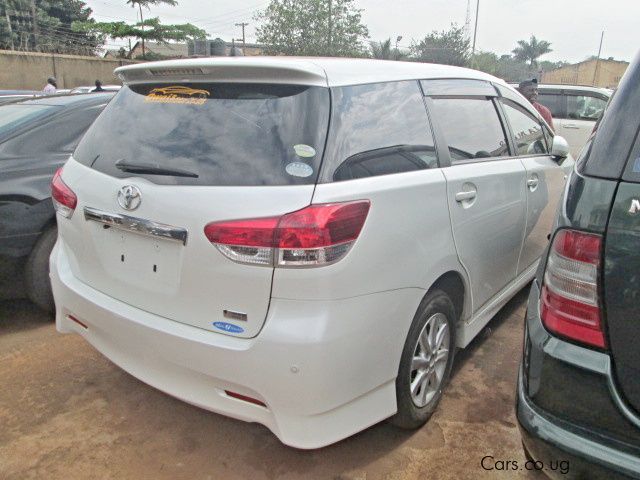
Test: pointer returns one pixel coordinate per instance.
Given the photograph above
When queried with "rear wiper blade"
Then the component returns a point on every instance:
(153, 169)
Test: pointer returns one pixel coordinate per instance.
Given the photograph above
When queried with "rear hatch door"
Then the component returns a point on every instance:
(622, 281)
(163, 161)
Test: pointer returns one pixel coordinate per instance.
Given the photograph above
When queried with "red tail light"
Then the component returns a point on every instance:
(569, 303)
(314, 236)
(64, 200)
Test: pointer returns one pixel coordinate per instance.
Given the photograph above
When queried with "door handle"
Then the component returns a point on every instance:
(464, 196)
(572, 126)
(532, 182)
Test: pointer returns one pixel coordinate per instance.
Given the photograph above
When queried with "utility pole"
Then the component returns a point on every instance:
(595, 72)
(36, 28)
(475, 32)
(144, 53)
(242, 24)
(330, 27)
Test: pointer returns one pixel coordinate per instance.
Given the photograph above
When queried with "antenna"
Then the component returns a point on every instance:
(467, 21)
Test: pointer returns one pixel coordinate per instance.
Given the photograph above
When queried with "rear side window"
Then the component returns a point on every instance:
(221, 134)
(585, 107)
(632, 172)
(526, 129)
(553, 101)
(378, 129)
(472, 128)
(59, 134)
(14, 116)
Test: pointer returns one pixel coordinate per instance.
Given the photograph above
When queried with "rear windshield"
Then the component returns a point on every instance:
(211, 134)
(13, 116)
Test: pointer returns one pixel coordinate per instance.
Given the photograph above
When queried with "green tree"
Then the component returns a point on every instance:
(513, 70)
(149, 29)
(485, 62)
(384, 51)
(146, 3)
(449, 47)
(45, 25)
(532, 50)
(546, 65)
(313, 28)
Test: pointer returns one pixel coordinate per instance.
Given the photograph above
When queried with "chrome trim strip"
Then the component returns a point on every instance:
(136, 225)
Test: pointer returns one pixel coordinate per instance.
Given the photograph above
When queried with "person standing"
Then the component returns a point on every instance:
(98, 87)
(529, 90)
(51, 86)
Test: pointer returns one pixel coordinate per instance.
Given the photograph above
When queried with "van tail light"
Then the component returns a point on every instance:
(64, 200)
(314, 236)
(569, 300)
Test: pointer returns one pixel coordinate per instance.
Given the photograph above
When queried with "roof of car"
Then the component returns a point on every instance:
(294, 70)
(66, 100)
(562, 86)
(576, 87)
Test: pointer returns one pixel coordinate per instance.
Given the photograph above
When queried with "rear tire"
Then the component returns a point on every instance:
(37, 279)
(426, 361)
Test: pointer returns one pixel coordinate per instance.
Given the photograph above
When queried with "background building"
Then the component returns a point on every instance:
(160, 50)
(599, 73)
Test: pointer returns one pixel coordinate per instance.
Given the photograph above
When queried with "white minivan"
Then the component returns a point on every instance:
(575, 110)
(297, 242)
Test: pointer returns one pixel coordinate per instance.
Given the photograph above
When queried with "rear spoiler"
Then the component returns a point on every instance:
(225, 69)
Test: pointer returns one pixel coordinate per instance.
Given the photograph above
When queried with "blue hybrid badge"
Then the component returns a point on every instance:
(228, 327)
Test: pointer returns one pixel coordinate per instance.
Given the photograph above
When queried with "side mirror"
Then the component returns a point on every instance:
(559, 148)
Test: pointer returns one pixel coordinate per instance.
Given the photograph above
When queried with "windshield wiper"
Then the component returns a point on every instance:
(153, 169)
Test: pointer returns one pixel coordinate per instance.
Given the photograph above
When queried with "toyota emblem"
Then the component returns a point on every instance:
(129, 197)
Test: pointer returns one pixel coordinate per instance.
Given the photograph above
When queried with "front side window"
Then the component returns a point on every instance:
(472, 128)
(553, 101)
(378, 129)
(585, 107)
(527, 130)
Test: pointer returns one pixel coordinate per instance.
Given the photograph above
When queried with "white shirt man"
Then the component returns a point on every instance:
(50, 87)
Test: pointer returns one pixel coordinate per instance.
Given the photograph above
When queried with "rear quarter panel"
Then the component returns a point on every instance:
(406, 241)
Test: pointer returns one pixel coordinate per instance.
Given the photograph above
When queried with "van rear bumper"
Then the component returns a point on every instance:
(317, 366)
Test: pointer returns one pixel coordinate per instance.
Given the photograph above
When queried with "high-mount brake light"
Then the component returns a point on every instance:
(64, 200)
(569, 302)
(317, 235)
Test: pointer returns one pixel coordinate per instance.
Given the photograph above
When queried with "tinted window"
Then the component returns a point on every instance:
(618, 129)
(378, 129)
(553, 101)
(471, 127)
(59, 134)
(526, 129)
(13, 116)
(632, 172)
(226, 134)
(585, 107)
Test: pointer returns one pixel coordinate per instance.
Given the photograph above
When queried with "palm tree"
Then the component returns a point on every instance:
(383, 51)
(530, 51)
(146, 3)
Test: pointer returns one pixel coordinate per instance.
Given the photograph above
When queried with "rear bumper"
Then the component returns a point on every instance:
(325, 370)
(568, 408)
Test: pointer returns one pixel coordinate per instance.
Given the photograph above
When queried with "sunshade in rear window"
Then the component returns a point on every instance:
(220, 134)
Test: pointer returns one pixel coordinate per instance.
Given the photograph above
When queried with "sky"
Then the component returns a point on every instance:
(573, 27)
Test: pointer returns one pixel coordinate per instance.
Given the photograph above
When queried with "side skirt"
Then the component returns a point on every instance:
(469, 329)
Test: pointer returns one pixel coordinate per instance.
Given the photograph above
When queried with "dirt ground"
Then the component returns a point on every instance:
(66, 412)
